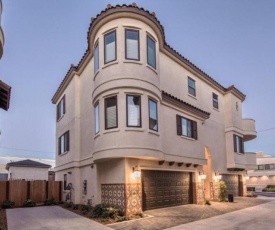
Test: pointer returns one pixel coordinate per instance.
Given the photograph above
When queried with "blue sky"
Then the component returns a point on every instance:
(233, 41)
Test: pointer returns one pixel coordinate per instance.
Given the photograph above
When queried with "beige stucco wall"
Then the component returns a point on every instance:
(28, 173)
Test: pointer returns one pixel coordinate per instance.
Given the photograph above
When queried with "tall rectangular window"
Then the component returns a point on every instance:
(96, 115)
(151, 52)
(215, 101)
(110, 47)
(191, 87)
(186, 127)
(111, 112)
(60, 110)
(153, 115)
(133, 111)
(96, 58)
(132, 44)
(65, 182)
(238, 144)
(64, 143)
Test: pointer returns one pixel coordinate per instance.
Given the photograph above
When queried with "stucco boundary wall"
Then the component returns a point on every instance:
(19, 191)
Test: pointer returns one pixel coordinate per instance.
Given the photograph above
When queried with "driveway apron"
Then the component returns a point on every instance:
(49, 217)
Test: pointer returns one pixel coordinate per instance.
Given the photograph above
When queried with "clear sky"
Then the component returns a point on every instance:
(233, 41)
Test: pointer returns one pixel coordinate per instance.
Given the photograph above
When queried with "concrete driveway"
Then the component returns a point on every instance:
(49, 217)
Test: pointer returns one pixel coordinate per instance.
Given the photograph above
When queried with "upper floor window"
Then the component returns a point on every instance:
(110, 47)
(65, 182)
(260, 167)
(133, 111)
(132, 44)
(60, 108)
(151, 52)
(96, 58)
(96, 116)
(269, 166)
(111, 112)
(238, 144)
(215, 101)
(187, 127)
(191, 87)
(153, 115)
(64, 143)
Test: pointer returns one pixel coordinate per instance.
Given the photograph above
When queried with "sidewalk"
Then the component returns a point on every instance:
(257, 217)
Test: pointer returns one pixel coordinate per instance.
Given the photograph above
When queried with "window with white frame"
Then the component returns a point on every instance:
(131, 44)
(64, 143)
(153, 115)
(151, 52)
(96, 116)
(96, 58)
(111, 112)
(133, 111)
(186, 127)
(110, 47)
(238, 144)
(60, 109)
(215, 101)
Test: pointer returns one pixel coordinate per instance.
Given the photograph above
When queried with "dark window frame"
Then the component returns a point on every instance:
(191, 88)
(113, 31)
(95, 105)
(240, 148)
(194, 127)
(154, 101)
(215, 99)
(65, 181)
(96, 46)
(58, 108)
(66, 143)
(105, 112)
(140, 121)
(138, 59)
(155, 63)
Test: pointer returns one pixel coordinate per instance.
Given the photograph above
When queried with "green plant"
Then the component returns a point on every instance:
(139, 215)
(207, 202)
(122, 218)
(223, 191)
(75, 206)
(99, 209)
(50, 202)
(68, 204)
(29, 203)
(7, 204)
(110, 212)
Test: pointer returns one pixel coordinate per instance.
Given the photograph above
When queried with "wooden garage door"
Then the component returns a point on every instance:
(232, 184)
(165, 188)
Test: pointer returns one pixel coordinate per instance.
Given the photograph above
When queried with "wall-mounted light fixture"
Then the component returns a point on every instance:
(246, 177)
(202, 175)
(218, 176)
(136, 172)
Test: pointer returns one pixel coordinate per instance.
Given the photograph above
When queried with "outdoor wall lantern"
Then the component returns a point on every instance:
(202, 176)
(136, 172)
(218, 176)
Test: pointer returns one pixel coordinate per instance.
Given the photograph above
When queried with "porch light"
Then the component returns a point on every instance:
(218, 176)
(246, 177)
(136, 172)
(202, 176)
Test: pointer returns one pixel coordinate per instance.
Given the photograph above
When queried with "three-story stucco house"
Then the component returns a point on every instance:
(139, 126)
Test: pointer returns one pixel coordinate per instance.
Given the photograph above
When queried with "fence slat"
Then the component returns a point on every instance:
(3, 189)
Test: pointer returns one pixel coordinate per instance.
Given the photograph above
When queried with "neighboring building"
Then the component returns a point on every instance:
(264, 174)
(28, 170)
(137, 123)
(4, 160)
(5, 90)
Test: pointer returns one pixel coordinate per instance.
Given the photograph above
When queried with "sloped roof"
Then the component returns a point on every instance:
(27, 163)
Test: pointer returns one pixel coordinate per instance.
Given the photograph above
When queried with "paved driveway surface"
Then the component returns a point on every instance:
(49, 217)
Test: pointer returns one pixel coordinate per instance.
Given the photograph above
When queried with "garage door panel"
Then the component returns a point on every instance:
(165, 188)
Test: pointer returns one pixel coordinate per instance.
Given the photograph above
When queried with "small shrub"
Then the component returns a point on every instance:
(7, 204)
(68, 204)
(139, 214)
(223, 191)
(75, 206)
(122, 218)
(207, 202)
(49, 202)
(110, 212)
(29, 203)
(86, 208)
(99, 209)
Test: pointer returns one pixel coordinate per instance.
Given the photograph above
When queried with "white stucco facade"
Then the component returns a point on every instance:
(108, 157)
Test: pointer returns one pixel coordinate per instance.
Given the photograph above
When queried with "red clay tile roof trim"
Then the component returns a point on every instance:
(200, 112)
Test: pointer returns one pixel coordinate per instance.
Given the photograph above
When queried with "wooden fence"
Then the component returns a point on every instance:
(38, 190)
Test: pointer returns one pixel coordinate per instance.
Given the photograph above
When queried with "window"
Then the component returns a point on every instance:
(215, 101)
(110, 47)
(187, 127)
(60, 111)
(132, 44)
(151, 52)
(191, 87)
(238, 144)
(269, 166)
(65, 181)
(64, 143)
(260, 167)
(153, 115)
(111, 112)
(96, 115)
(96, 58)
(133, 111)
